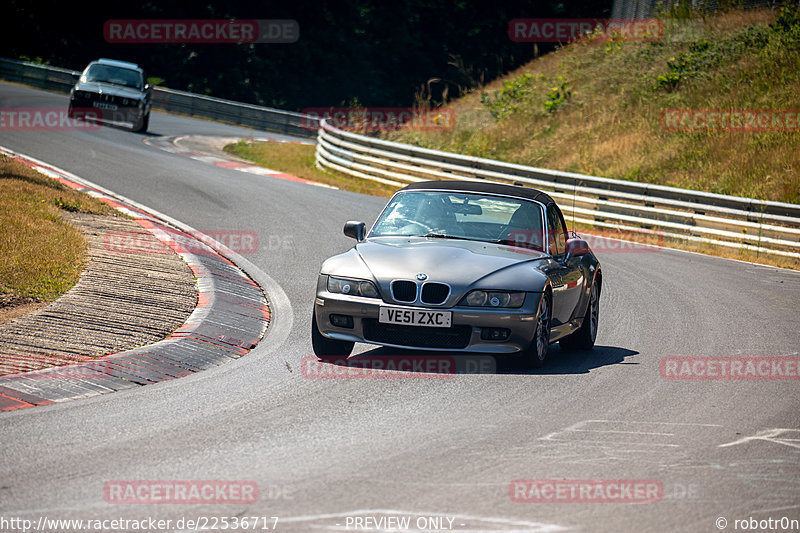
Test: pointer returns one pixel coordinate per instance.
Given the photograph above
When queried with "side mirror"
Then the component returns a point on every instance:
(576, 247)
(355, 229)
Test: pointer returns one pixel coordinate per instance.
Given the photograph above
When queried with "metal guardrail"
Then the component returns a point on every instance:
(264, 118)
(731, 221)
(44, 76)
(171, 100)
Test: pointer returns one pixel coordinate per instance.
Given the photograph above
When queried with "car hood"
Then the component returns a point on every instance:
(107, 88)
(463, 265)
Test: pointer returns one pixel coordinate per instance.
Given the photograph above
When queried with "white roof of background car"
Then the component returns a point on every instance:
(115, 63)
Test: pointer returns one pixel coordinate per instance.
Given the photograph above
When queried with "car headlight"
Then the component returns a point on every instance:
(481, 298)
(353, 287)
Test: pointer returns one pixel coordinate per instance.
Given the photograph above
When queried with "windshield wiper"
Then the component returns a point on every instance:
(519, 244)
(445, 236)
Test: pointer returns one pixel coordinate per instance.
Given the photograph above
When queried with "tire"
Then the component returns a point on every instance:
(537, 353)
(70, 111)
(142, 125)
(326, 349)
(584, 338)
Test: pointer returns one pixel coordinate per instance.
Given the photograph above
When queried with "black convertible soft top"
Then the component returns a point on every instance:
(485, 187)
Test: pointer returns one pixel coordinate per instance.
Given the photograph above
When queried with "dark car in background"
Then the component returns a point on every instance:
(114, 91)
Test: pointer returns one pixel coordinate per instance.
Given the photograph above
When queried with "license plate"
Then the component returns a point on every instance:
(101, 105)
(415, 317)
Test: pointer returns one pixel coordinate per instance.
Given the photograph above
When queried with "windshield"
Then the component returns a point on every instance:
(116, 75)
(469, 216)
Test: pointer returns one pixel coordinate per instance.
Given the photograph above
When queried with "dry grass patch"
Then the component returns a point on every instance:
(41, 255)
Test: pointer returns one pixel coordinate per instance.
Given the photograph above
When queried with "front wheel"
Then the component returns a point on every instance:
(328, 349)
(142, 124)
(537, 353)
(584, 338)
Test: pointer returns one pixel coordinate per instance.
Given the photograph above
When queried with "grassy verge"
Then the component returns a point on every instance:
(596, 107)
(41, 255)
(298, 160)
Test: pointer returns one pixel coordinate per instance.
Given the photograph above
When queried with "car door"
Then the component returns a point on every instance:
(566, 279)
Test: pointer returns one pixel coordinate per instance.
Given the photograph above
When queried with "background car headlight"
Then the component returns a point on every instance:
(493, 299)
(354, 287)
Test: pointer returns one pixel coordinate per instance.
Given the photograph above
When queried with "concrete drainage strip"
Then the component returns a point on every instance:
(231, 316)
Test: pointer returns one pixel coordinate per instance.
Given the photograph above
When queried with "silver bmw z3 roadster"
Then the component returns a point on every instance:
(460, 266)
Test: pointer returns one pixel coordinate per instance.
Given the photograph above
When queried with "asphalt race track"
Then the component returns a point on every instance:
(324, 451)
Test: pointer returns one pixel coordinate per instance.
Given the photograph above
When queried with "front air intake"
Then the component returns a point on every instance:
(435, 293)
(404, 290)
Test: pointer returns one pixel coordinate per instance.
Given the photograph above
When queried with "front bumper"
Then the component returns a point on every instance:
(109, 112)
(464, 335)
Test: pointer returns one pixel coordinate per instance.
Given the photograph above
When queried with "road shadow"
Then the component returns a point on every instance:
(562, 361)
(377, 361)
(122, 126)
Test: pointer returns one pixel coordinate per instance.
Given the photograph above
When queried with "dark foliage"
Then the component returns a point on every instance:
(375, 52)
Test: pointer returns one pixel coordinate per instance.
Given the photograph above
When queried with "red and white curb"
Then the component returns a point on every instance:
(171, 145)
(231, 316)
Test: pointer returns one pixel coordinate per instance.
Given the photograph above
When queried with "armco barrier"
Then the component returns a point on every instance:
(731, 221)
(263, 118)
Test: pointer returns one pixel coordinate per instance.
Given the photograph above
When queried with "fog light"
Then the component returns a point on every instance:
(495, 334)
(342, 321)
